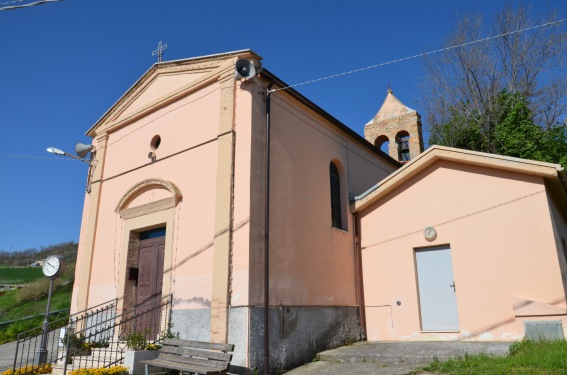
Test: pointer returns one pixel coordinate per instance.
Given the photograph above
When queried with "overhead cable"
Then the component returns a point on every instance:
(421, 54)
(28, 5)
(11, 2)
(30, 157)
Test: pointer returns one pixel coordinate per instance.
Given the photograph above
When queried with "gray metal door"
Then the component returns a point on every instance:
(437, 292)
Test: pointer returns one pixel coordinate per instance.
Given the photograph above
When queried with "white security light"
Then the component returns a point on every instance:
(55, 151)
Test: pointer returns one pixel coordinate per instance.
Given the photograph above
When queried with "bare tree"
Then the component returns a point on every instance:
(463, 85)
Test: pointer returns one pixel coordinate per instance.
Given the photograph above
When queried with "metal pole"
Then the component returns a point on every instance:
(42, 354)
(267, 238)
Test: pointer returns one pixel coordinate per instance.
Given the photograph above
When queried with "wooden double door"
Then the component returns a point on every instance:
(149, 286)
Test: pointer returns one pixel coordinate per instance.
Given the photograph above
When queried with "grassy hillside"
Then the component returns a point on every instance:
(34, 293)
(19, 275)
(31, 300)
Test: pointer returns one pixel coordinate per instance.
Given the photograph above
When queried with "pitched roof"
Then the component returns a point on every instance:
(391, 108)
(150, 74)
(551, 172)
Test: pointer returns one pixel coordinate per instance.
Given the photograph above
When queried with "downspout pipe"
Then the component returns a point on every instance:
(267, 235)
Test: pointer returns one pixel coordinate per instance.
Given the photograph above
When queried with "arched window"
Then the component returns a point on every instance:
(335, 196)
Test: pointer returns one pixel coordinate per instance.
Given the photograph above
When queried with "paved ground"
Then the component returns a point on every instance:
(392, 358)
(7, 352)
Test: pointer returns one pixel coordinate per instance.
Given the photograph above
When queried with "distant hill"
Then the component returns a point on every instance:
(67, 250)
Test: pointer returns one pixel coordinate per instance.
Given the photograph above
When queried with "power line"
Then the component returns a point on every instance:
(421, 54)
(30, 157)
(11, 2)
(27, 5)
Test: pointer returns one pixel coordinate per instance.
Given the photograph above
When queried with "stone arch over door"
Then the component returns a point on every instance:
(147, 205)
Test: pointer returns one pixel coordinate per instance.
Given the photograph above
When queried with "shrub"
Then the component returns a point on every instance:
(30, 370)
(114, 370)
(136, 340)
(36, 290)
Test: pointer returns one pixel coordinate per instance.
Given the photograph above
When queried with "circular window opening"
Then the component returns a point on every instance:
(156, 141)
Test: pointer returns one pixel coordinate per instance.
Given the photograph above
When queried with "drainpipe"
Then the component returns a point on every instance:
(267, 236)
(358, 276)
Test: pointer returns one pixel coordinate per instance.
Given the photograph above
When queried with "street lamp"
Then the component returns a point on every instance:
(82, 150)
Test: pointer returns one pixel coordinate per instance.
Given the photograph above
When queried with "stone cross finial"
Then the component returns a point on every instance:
(159, 51)
(389, 87)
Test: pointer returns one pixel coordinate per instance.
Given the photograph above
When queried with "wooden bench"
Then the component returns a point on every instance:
(192, 356)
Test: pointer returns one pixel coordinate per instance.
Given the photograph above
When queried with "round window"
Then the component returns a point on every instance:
(156, 141)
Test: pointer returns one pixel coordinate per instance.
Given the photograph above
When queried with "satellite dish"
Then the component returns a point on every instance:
(246, 69)
(82, 150)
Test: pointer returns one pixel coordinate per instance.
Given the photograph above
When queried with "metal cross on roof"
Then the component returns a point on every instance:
(159, 51)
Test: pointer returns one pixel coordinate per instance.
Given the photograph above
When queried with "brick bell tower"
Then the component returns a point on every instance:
(397, 126)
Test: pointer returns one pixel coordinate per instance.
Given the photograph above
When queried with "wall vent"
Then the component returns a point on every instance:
(544, 330)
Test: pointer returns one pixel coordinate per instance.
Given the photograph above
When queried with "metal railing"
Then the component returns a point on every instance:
(102, 343)
(28, 343)
(9, 322)
(96, 337)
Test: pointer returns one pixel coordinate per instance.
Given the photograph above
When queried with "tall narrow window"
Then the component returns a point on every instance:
(335, 196)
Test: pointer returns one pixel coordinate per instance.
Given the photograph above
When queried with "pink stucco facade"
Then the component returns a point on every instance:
(503, 220)
(205, 184)
(498, 226)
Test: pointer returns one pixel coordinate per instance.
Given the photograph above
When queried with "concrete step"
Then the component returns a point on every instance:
(411, 352)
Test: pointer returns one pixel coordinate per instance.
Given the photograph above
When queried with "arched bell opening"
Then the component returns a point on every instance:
(383, 143)
(402, 139)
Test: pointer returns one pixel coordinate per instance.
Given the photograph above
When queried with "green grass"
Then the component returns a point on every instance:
(60, 299)
(7, 302)
(526, 358)
(19, 275)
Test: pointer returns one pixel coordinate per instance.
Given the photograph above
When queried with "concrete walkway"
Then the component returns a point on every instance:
(7, 352)
(392, 358)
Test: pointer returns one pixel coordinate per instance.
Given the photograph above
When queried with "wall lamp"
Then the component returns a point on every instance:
(82, 151)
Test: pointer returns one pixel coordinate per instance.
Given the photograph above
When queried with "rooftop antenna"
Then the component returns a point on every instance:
(159, 51)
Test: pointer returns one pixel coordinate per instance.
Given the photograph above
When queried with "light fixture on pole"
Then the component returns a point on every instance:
(82, 151)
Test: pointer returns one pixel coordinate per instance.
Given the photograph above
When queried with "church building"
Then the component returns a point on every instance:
(400, 244)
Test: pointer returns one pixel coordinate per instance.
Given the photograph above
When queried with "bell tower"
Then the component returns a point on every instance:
(398, 127)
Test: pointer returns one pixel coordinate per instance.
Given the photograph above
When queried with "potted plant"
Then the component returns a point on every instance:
(138, 349)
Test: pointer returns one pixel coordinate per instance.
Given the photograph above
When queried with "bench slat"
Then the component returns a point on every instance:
(199, 344)
(181, 367)
(221, 356)
(193, 361)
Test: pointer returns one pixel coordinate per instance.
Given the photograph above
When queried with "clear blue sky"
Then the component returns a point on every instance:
(64, 64)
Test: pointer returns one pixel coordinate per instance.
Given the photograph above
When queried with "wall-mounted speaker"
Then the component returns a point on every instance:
(246, 68)
(82, 150)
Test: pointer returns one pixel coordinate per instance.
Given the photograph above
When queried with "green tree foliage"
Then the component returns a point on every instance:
(516, 133)
(507, 95)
